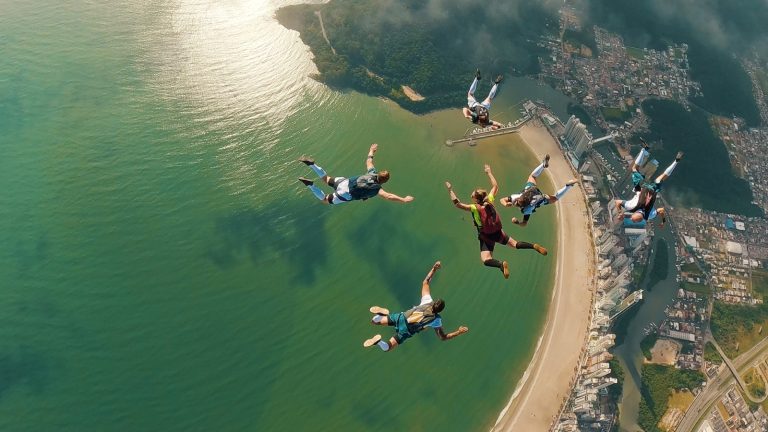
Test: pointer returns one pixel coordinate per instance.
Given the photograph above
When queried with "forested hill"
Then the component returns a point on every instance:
(717, 31)
(431, 46)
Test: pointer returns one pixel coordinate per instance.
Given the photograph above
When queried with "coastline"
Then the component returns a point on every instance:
(546, 383)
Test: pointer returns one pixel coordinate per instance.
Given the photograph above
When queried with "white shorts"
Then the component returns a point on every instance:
(472, 102)
(341, 184)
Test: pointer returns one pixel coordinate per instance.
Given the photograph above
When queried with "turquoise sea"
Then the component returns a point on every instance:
(161, 269)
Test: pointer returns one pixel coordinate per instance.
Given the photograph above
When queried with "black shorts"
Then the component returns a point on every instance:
(488, 241)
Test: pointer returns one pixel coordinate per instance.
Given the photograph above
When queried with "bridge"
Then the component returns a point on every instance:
(487, 132)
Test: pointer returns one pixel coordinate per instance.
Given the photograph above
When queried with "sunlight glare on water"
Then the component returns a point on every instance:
(232, 66)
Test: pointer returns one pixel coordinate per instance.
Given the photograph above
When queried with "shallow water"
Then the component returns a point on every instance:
(161, 268)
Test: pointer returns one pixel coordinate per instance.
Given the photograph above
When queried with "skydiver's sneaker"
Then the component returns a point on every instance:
(505, 269)
(545, 161)
(499, 79)
(306, 181)
(477, 74)
(679, 156)
(377, 310)
(540, 249)
(307, 160)
(372, 341)
(570, 182)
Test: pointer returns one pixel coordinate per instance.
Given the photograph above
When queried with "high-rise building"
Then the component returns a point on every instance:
(577, 137)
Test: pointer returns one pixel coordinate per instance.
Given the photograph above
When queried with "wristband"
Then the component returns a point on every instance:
(455, 200)
(370, 156)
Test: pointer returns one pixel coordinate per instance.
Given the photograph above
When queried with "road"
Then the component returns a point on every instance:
(322, 29)
(716, 387)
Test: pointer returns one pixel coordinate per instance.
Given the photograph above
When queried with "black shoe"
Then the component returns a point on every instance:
(645, 144)
(306, 181)
(679, 156)
(477, 74)
(307, 160)
(499, 79)
(545, 161)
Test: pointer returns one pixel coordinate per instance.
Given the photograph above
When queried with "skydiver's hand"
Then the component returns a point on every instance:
(515, 221)
(448, 185)
(437, 265)
(506, 202)
(462, 329)
(487, 168)
(373, 148)
(408, 199)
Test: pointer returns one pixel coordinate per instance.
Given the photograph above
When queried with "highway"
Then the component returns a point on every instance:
(703, 402)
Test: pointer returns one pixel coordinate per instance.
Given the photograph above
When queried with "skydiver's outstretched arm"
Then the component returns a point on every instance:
(392, 197)
(428, 278)
(454, 199)
(369, 159)
(443, 336)
(494, 184)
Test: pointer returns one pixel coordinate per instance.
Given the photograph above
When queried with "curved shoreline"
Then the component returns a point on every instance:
(547, 381)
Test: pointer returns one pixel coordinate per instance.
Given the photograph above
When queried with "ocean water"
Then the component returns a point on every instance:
(162, 269)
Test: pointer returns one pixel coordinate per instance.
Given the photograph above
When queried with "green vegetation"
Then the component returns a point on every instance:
(614, 391)
(615, 115)
(726, 87)
(697, 288)
(382, 45)
(637, 53)
(755, 383)
(762, 80)
(690, 131)
(658, 383)
(711, 354)
(647, 344)
(580, 113)
(638, 273)
(660, 267)
(687, 347)
(585, 37)
(690, 268)
(681, 400)
(738, 328)
(760, 283)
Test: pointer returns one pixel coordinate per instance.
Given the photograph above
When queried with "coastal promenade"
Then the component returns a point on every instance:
(548, 379)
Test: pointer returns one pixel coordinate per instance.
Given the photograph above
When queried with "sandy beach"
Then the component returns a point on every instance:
(547, 381)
